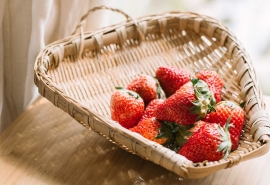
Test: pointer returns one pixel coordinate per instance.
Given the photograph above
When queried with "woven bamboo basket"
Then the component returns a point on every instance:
(78, 75)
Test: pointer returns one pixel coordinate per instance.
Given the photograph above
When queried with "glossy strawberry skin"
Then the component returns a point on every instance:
(224, 110)
(125, 108)
(213, 81)
(146, 86)
(176, 108)
(203, 144)
(171, 78)
(149, 128)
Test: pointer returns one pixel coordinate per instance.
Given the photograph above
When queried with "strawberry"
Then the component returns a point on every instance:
(213, 81)
(188, 104)
(223, 111)
(210, 142)
(171, 78)
(168, 134)
(126, 107)
(149, 128)
(146, 86)
(151, 108)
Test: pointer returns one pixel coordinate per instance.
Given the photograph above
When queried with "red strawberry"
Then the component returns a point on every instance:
(213, 81)
(151, 108)
(189, 104)
(126, 107)
(149, 128)
(171, 78)
(146, 86)
(223, 111)
(168, 134)
(210, 142)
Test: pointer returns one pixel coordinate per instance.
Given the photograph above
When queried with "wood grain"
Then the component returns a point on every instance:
(44, 145)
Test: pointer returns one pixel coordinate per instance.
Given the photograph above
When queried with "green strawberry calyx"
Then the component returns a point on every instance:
(158, 87)
(176, 134)
(226, 144)
(205, 100)
(131, 93)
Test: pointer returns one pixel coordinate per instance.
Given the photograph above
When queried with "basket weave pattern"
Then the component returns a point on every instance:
(78, 74)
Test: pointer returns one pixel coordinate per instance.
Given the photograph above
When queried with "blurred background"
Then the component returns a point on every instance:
(249, 20)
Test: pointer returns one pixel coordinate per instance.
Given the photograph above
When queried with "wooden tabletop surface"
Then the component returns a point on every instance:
(44, 145)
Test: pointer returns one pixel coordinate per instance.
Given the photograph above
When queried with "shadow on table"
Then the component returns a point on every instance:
(58, 150)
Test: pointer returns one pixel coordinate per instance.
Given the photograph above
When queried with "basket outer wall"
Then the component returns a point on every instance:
(238, 73)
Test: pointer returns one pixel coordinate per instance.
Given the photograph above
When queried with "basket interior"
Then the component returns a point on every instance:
(92, 78)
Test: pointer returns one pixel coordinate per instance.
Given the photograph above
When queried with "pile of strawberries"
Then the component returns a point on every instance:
(181, 111)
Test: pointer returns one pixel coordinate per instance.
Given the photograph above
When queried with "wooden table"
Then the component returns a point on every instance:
(44, 145)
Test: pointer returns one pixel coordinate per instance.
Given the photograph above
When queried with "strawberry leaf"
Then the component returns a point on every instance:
(158, 87)
(177, 134)
(225, 140)
(242, 104)
(131, 93)
(205, 99)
